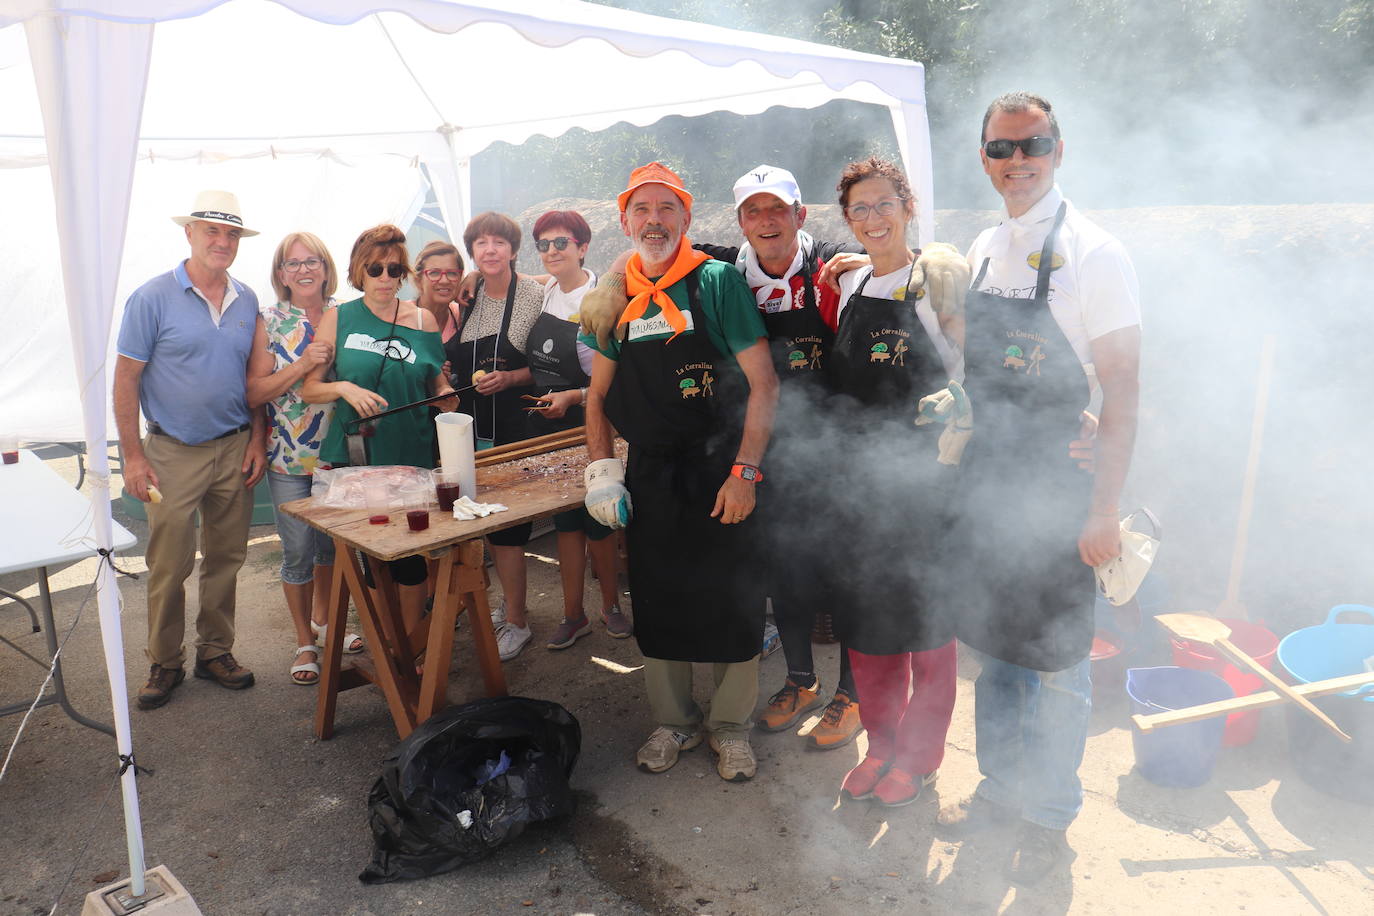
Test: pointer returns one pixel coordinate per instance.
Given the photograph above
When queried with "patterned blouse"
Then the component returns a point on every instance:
(297, 428)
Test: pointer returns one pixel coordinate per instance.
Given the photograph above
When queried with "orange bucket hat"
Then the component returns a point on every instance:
(655, 173)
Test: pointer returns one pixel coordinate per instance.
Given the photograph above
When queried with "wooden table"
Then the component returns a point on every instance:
(531, 488)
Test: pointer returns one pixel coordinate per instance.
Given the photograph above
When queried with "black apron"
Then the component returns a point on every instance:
(796, 470)
(496, 417)
(697, 594)
(552, 355)
(1029, 598)
(888, 497)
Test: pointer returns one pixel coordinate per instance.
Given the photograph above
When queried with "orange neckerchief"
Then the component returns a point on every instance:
(642, 290)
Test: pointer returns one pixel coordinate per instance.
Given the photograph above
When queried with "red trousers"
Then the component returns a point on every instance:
(906, 701)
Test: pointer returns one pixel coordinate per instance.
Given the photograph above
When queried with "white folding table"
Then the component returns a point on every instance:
(44, 522)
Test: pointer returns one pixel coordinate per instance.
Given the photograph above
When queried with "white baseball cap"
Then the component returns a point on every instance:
(767, 179)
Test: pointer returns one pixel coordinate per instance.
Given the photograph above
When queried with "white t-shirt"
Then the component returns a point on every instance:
(1093, 288)
(566, 306)
(893, 286)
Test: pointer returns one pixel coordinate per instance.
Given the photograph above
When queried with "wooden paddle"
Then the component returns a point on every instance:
(1215, 633)
(1260, 700)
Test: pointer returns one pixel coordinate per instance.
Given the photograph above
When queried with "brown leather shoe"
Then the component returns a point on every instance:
(161, 682)
(225, 671)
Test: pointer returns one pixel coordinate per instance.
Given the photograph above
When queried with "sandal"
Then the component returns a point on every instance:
(353, 643)
(310, 668)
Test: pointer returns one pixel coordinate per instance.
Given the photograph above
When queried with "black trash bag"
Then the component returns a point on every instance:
(467, 781)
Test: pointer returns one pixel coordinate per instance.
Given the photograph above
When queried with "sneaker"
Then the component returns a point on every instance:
(859, 782)
(839, 724)
(898, 787)
(1038, 851)
(660, 752)
(788, 705)
(225, 671)
(569, 632)
(511, 640)
(735, 760)
(161, 682)
(971, 815)
(498, 614)
(617, 624)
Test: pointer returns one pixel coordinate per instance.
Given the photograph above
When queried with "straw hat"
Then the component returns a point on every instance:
(216, 207)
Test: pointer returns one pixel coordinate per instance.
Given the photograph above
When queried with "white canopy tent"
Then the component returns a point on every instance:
(316, 113)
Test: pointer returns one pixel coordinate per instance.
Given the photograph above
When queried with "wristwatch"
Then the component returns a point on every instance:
(747, 472)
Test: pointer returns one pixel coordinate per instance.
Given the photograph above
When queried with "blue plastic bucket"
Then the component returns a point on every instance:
(1334, 649)
(1179, 756)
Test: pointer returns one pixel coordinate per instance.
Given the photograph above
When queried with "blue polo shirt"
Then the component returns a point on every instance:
(193, 383)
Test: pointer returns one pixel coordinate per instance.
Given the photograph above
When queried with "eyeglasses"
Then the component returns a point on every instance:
(560, 243)
(1031, 146)
(393, 270)
(857, 213)
(435, 274)
(294, 265)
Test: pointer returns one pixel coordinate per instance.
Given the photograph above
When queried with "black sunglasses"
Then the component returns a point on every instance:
(560, 243)
(393, 270)
(1031, 146)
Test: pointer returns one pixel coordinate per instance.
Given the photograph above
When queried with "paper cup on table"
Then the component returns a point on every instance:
(457, 449)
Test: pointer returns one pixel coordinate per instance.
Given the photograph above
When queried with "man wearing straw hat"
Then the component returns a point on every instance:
(688, 381)
(183, 353)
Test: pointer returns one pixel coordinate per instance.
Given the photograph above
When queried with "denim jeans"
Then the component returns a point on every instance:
(302, 547)
(1031, 729)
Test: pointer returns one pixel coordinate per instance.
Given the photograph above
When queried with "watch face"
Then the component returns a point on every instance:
(748, 473)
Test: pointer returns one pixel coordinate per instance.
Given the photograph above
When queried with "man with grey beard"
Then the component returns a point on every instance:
(691, 388)
(1053, 311)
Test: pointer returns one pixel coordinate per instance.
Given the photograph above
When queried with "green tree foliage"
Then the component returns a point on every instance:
(1171, 101)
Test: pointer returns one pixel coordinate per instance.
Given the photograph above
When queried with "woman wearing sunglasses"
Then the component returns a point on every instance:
(387, 353)
(488, 351)
(285, 348)
(562, 369)
(889, 351)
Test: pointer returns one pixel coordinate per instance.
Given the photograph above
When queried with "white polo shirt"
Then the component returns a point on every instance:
(1093, 288)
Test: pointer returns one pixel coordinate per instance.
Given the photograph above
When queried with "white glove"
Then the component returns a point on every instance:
(602, 307)
(607, 500)
(944, 273)
(950, 406)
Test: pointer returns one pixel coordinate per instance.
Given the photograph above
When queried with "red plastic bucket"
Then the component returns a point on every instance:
(1250, 638)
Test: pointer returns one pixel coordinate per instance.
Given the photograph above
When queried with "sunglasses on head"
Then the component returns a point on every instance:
(1031, 146)
(393, 270)
(560, 243)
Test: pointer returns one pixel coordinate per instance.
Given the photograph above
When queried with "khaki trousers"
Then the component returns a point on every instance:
(669, 685)
(207, 478)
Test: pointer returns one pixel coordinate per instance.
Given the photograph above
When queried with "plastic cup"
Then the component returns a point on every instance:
(378, 499)
(447, 488)
(417, 502)
(9, 448)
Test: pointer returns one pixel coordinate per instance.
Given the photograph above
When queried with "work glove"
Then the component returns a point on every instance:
(944, 274)
(607, 500)
(950, 406)
(602, 307)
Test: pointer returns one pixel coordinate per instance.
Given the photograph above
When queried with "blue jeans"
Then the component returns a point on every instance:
(1031, 729)
(302, 547)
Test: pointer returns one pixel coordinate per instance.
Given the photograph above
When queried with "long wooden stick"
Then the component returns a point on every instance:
(1231, 606)
(1240, 658)
(1260, 700)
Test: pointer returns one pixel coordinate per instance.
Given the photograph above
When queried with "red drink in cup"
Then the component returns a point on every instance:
(9, 449)
(446, 488)
(13, 458)
(417, 501)
(417, 519)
